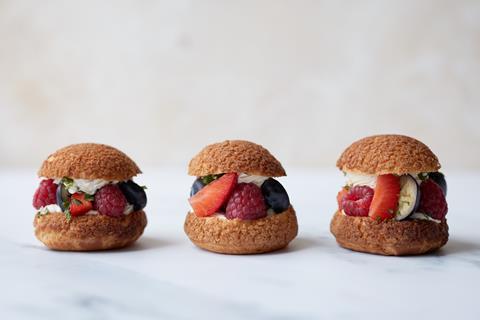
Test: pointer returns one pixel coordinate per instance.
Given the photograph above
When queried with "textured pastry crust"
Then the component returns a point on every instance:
(241, 236)
(389, 237)
(385, 154)
(235, 156)
(89, 232)
(89, 161)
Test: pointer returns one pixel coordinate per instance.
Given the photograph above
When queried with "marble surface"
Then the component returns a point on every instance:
(164, 276)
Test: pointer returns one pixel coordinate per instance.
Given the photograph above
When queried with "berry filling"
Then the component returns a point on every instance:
(410, 196)
(356, 202)
(237, 196)
(433, 201)
(77, 197)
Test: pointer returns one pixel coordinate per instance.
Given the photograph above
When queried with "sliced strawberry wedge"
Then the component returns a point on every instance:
(385, 198)
(79, 204)
(214, 195)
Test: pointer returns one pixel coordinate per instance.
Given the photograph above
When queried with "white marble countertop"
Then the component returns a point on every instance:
(164, 276)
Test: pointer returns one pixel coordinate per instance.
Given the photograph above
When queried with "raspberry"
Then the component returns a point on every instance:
(45, 194)
(357, 201)
(432, 201)
(110, 201)
(246, 203)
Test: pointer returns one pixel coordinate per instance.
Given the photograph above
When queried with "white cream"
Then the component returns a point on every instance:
(87, 186)
(219, 215)
(245, 178)
(51, 208)
(354, 179)
(423, 216)
(127, 211)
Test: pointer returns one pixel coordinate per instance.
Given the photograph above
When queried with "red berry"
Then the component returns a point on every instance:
(432, 201)
(385, 198)
(79, 205)
(246, 203)
(357, 201)
(213, 196)
(340, 195)
(45, 194)
(110, 201)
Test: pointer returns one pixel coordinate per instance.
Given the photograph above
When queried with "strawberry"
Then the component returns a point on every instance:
(340, 195)
(79, 204)
(385, 197)
(214, 195)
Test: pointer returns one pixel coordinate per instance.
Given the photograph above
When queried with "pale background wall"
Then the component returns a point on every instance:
(159, 79)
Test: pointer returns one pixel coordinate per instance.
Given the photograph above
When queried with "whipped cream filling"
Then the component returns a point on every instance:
(246, 178)
(87, 186)
(221, 215)
(423, 216)
(55, 208)
(51, 208)
(355, 179)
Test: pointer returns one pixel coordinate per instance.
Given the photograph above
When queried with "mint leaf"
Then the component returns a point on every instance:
(68, 215)
(423, 176)
(207, 179)
(67, 182)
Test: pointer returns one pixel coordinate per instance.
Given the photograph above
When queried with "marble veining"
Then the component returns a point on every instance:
(164, 276)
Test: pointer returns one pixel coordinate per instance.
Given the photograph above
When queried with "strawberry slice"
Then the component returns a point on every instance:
(340, 195)
(79, 204)
(214, 195)
(385, 198)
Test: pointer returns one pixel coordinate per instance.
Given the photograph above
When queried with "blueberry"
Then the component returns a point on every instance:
(62, 196)
(134, 193)
(439, 179)
(275, 195)
(196, 186)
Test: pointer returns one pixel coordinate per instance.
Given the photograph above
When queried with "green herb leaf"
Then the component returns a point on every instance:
(144, 187)
(207, 179)
(66, 204)
(68, 215)
(89, 197)
(77, 202)
(423, 176)
(67, 182)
